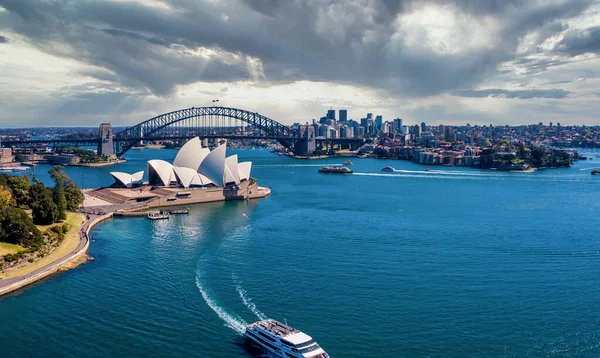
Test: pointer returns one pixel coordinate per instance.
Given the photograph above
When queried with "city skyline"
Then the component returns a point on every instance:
(441, 63)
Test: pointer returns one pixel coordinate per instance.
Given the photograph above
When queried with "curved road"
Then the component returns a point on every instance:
(53, 266)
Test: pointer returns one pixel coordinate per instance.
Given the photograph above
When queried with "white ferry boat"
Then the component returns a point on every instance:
(281, 340)
(158, 215)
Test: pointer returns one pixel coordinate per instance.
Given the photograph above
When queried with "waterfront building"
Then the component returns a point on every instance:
(34, 157)
(194, 166)
(6, 155)
(63, 159)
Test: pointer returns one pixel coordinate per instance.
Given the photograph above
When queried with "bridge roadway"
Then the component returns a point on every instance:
(95, 142)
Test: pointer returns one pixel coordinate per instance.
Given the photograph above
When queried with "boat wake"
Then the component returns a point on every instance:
(422, 175)
(232, 321)
(449, 172)
(288, 165)
(247, 301)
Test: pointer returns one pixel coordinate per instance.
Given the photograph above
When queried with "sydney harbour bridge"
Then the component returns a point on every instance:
(203, 122)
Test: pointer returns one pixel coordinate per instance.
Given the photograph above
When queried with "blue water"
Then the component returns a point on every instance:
(451, 262)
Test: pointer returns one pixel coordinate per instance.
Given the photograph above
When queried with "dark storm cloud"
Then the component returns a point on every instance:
(578, 42)
(355, 42)
(520, 94)
(3, 40)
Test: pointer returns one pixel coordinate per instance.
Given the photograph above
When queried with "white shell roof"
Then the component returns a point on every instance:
(163, 169)
(136, 178)
(244, 169)
(185, 176)
(204, 180)
(232, 174)
(123, 178)
(213, 166)
(193, 165)
(191, 154)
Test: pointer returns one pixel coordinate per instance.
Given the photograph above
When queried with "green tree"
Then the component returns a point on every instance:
(16, 227)
(20, 189)
(522, 152)
(43, 209)
(5, 197)
(538, 155)
(74, 198)
(73, 195)
(58, 196)
(19, 158)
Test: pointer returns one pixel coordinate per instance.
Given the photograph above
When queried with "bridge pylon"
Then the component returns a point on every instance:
(105, 145)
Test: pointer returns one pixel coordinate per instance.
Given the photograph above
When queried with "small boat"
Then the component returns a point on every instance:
(388, 169)
(427, 170)
(336, 170)
(280, 340)
(347, 162)
(595, 171)
(158, 215)
(179, 211)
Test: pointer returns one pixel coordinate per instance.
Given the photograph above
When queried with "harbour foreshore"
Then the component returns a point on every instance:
(99, 213)
(71, 260)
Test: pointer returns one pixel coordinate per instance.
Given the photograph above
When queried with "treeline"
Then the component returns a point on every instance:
(48, 205)
(85, 155)
(536, 157)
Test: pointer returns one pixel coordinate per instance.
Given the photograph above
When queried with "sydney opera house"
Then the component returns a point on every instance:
(196, 175)
(193, 166)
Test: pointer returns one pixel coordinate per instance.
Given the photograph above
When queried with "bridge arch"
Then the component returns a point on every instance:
(129, 137)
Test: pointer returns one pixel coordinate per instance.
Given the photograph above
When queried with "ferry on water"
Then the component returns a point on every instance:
(336, 170)
(387, 169)
(281, 340)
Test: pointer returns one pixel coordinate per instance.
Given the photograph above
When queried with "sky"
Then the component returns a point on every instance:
(83, 62)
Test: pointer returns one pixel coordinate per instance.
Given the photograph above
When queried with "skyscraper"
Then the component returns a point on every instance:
(378, 124)
(397, 125)
(331, 114)
(343, 116)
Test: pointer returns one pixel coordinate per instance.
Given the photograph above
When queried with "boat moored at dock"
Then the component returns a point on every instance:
(179, 211)
(158, 215)
(281, 340)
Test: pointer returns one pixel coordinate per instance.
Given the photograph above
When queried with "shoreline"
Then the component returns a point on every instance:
(94, 165)
(528, 170)
(79, 256)
(67, 262)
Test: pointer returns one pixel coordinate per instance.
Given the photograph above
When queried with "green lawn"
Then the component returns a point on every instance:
(9, 248)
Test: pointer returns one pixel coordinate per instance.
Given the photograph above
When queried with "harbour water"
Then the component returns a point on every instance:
(450, 262)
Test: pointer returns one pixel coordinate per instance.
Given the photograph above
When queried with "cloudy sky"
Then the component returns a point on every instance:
(81, 62)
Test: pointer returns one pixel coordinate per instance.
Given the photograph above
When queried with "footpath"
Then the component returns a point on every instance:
(15, 283)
